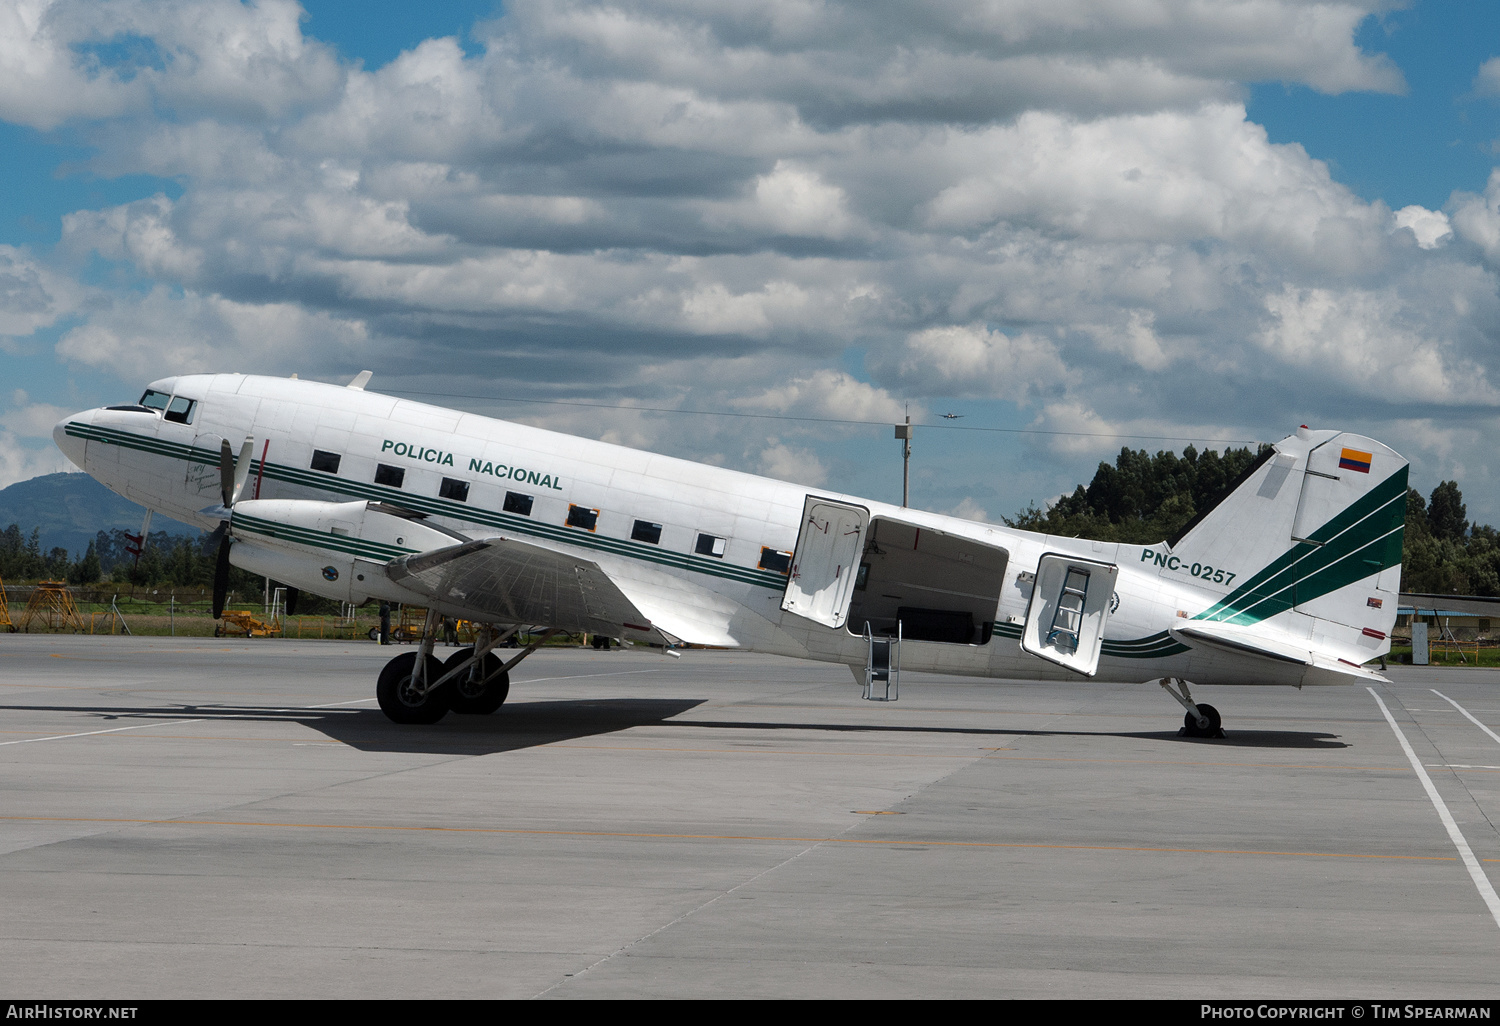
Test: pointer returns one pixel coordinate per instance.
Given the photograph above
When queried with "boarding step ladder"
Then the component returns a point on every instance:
(882, 666)
(1068, 619)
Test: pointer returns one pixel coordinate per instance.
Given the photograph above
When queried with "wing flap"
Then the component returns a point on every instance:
(512, 581)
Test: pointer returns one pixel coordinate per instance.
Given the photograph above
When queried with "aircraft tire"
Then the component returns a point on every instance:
(399, 706)
(476, 698)
(1190, 726)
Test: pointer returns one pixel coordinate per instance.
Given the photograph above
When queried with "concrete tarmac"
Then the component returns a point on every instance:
(229, 819)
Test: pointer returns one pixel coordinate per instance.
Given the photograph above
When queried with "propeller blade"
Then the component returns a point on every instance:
(242, 469)
(226, 472)
(221, 577)
(292, 595)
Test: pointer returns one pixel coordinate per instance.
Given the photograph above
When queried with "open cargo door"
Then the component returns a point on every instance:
(1070, 601)
(826, 560)
(926, 584)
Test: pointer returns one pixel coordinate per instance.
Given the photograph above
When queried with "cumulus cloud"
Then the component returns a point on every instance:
(86, 59)
(28, 419)
(785, 463)
(1477, 218)
(1363, 340)
(807, 209)
(145, 337)
(32, 295)
(1430, 228)
(962, 61)
(1487, 81)
(974, 360)
(827, 393)
(20, 462)
(969, 509)
(1171, 176)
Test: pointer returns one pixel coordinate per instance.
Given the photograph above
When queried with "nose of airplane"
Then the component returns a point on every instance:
(72, 445)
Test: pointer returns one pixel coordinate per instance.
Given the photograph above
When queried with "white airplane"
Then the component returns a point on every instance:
(1292, 579)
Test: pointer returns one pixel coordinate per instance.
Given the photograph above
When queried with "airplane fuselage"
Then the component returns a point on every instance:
(711, 543)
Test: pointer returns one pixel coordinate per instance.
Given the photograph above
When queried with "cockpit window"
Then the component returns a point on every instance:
(180, 410)
(155, 400)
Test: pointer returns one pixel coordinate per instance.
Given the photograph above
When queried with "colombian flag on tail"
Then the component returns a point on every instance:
(1353, 459)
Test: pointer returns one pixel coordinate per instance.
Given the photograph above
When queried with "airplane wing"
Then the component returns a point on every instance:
(512, 581)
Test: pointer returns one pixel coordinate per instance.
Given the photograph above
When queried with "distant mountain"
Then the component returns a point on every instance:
(71, 508)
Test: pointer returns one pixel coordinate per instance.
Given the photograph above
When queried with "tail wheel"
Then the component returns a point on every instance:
(1190, 726)
(482, 689)
(401, 701)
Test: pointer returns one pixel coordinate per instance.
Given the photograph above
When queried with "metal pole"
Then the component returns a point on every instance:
(903, 434)
(906, 466)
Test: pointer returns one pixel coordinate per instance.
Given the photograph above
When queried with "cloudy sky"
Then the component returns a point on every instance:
(1081, 224)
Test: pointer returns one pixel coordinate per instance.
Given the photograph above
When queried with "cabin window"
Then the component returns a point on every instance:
(582, 516)
(180, 410)
(328, 462)
(515, 502)
(646, 531)
(710, 545)
(385, 474)
(775, 559)
(453, 489)
(155, 400)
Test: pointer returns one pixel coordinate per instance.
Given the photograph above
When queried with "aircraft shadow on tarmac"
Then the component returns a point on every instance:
(523, 724)
(516, 726)
(1232, 738)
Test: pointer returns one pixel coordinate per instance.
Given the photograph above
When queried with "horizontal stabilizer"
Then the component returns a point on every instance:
(1321, 668)
(1222, 635)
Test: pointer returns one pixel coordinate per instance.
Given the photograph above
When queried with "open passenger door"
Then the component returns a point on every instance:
(826, 561)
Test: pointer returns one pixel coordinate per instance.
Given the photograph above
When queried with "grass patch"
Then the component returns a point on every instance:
(1448, 655)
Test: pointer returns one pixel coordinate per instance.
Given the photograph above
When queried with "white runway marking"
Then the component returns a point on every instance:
(1482, 882)
(87, 733)
(1466, 712)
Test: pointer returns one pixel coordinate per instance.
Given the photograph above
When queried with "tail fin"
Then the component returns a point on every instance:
(1316, 530)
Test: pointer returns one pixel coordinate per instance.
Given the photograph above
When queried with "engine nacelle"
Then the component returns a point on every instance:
(334, 549)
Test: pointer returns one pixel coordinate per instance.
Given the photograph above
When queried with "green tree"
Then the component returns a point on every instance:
(1142, 499)
(1445, 512)
(86, 569)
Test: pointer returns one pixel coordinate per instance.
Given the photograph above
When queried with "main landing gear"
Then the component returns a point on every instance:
(1201, 719)
(415, 687)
